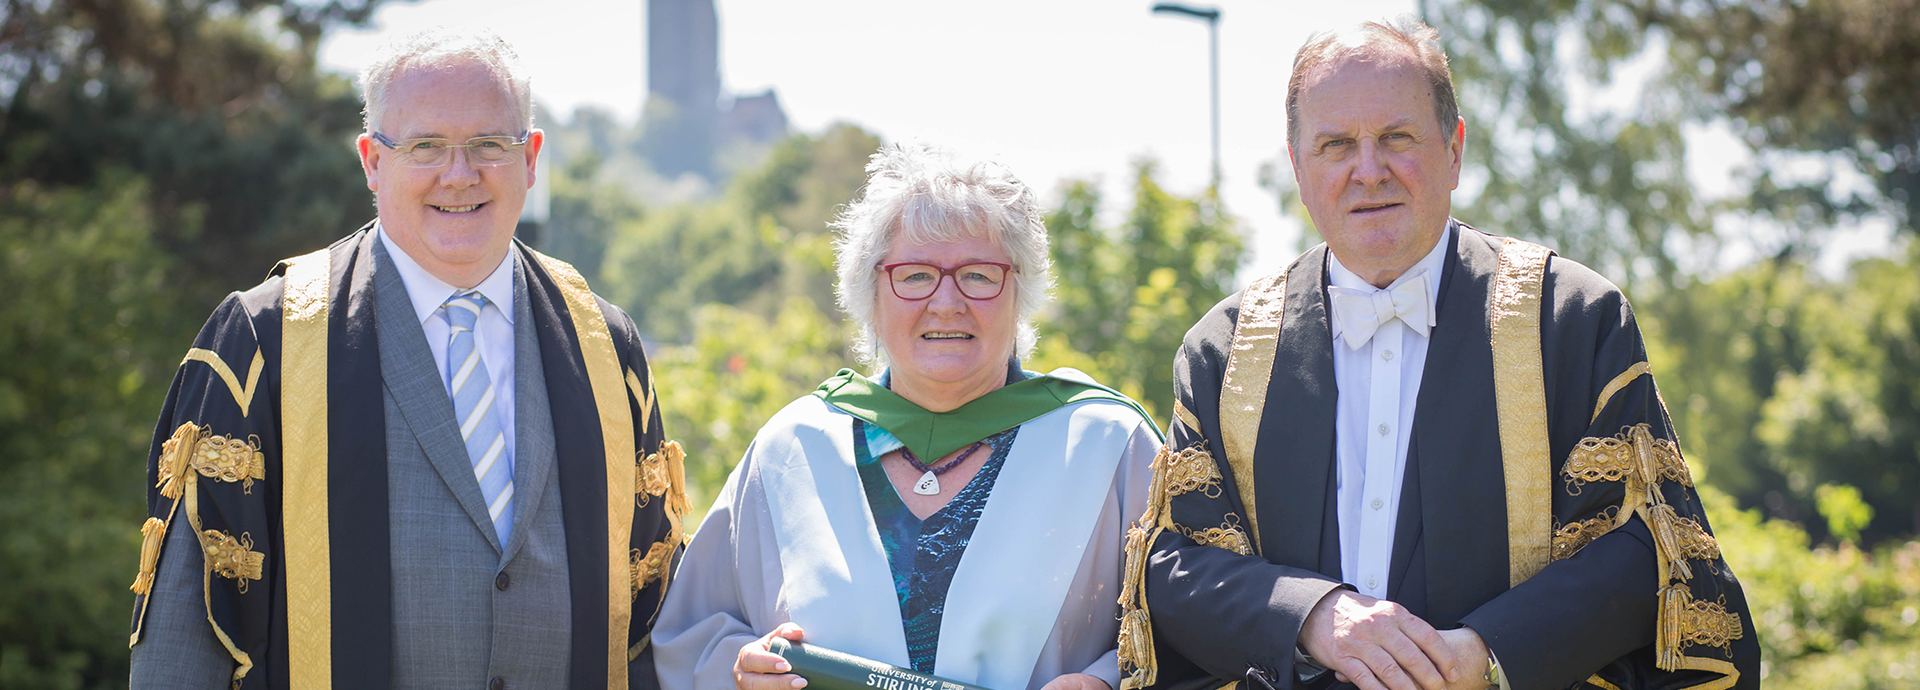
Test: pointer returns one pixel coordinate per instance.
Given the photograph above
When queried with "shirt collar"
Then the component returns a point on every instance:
(428, 292)
(1428, 269)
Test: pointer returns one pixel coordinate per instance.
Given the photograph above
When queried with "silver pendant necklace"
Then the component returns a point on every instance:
(929, 484)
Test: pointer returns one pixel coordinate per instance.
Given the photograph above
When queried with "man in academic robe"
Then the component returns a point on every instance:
(426, 456)
(1422, 455)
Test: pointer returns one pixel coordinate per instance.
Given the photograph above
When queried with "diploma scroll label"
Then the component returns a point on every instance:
(826, 669)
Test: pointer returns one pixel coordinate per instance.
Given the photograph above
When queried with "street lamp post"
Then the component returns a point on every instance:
(1210, 15)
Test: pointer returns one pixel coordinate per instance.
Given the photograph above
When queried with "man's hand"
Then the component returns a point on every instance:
(1471, 652)
(1076, 681)
(757, 668)
(1378, 644)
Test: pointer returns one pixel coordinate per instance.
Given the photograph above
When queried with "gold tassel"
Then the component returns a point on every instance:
(153, 533)
(1666, 541)
(1136, 650)
(677, 501)
(1672, 605)
(636, 571)
(174, 454)
(1136, 569)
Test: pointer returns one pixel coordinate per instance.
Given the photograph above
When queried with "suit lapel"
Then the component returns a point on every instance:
(1294, 455)
(414, 379)
(533, 440)
(1461, 480)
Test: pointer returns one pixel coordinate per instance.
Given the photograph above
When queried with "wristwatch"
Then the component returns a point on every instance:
(1495, 677)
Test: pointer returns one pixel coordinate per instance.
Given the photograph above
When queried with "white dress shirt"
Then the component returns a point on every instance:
(1378, 384)
(493, 332)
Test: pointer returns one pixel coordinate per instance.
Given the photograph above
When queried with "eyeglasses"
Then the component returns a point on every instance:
(983, 280)
(433, 152)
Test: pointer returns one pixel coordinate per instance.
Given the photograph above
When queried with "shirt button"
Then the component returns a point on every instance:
(1376, 506)
(499, 683)
(1386, 355)
(1372, 582)
(1383, 430)
(501, 581)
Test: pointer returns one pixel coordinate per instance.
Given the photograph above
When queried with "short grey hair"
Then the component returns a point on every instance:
(931, 195)
(443, 46)
(1404, 36)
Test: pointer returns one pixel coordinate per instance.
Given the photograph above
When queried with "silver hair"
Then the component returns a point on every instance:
(931, 195)
(443, 46)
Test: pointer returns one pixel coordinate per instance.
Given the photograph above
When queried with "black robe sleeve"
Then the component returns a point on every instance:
(660, 497)
(205, 571)
(1636, 587)
(1203, 581)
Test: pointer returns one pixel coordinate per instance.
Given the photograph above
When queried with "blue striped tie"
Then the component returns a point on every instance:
(473, 402)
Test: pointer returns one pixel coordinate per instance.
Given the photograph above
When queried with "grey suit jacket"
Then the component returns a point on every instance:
(466, 609)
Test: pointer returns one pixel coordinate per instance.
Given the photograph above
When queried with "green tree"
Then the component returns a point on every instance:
(218, 103)
(1821, 392)
(90, 337)
(153, 156)
(740, 369)
(1126, 296)
(1828, 617)
(762, 241)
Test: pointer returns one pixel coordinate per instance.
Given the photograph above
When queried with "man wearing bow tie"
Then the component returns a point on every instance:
(1422, 455)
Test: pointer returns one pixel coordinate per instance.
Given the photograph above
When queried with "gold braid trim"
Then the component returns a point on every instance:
(1570, 539)
(1643, 462)
(1685, 622)
(1227, 536)
(1136, 627)
(652, 565)
(233, 558)
(1635, 456)
(1599, 460)
(1175, 472)
(643, 395)
(1191, 470)
(197, 448)
(242, 395)
(230, 460)
(1618, 383)
(153, 532)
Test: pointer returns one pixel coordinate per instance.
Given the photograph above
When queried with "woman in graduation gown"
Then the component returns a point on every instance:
(952, 514)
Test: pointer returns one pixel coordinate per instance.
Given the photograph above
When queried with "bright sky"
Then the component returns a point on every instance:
(1062, 89)
(1055, 90)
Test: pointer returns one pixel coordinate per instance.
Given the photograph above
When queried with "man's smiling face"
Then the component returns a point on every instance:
(1375, 168)
(456, 220)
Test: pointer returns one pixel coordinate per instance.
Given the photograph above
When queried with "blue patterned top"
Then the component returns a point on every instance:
(923, 553)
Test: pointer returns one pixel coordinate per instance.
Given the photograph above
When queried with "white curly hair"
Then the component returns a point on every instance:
(929, 195)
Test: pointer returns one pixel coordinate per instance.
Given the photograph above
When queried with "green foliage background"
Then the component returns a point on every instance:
(155, 155)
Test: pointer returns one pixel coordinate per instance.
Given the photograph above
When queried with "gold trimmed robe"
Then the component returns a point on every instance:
(1545, 502)
(263, 449)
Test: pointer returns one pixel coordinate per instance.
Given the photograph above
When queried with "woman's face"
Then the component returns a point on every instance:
(948, 340)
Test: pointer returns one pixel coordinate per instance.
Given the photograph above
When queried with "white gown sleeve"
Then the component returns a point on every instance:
(725, 593)
(1089, 626)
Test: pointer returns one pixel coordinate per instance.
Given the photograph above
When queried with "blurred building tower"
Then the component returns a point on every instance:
(685, 120)
(683, 85)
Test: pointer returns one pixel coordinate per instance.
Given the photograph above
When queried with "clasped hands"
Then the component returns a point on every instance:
(1379, 645)
(758, 668)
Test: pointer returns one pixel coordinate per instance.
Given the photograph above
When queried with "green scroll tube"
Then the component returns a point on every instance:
(826, 669)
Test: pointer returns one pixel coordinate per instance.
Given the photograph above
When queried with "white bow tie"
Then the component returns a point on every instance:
(1361, 312)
